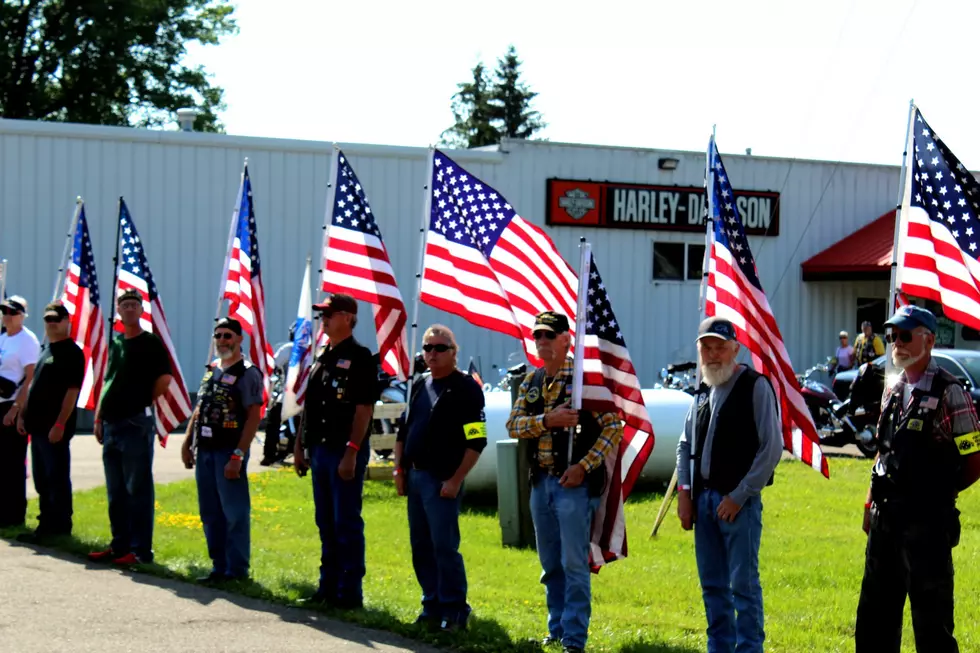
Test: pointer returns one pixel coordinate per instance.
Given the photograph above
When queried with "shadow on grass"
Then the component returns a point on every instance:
(483, 635)
(644, 646)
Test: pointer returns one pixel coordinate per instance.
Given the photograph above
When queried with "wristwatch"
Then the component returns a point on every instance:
(239, 453)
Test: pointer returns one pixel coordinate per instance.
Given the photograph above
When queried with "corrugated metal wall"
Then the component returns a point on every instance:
(181, 189)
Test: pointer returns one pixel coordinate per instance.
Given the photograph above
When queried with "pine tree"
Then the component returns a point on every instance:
(511, 100)
(472, 112)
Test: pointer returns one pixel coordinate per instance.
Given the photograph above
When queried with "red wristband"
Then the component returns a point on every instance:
(234, 457)
(61, 427)
(353, 446)
(867, 505)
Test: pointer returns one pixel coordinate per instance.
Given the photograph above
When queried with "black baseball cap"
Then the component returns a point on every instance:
(229, 323)
(550, 321)
(129, 293)
(717, 327)
(56, 309)
(337, 302)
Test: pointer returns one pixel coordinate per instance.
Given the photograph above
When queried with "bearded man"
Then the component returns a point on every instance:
(736, 434)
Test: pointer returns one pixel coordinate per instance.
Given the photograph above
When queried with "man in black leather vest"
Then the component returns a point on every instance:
(730, 446)
(928, 438)
(566, 479)
(229, 403)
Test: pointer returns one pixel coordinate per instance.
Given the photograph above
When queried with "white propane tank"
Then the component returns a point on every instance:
(667, 408)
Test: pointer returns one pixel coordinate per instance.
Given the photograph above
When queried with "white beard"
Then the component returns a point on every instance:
(904, 363)
(715, 375)
(226, 354)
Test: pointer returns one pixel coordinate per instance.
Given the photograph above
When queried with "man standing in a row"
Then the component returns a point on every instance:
(223, 426)
(49, 418)
(340, 397)
(18, 356)
(137, 372)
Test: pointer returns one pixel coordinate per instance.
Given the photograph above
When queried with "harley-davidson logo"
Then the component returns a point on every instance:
(576, 203)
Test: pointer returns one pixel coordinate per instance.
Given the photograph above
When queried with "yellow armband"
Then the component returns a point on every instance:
(475, 430)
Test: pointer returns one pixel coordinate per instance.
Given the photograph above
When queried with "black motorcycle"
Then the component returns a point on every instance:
(677, 376)
(836, 426)
(280, 436)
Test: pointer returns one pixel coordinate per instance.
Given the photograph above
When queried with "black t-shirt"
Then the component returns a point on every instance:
(60, 367)
(344, 377)
(133, 368)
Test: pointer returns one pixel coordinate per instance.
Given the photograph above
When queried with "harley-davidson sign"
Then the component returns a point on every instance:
(652, 208)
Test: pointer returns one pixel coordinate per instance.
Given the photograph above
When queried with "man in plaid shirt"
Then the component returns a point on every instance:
(928, 438)
(568, 475)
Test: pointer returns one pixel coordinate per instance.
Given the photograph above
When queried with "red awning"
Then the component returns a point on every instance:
(864, 255)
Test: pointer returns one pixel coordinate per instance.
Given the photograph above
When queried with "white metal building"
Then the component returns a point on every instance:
(181, 189)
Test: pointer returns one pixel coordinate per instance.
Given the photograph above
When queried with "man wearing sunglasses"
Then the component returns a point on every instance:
(928, 441)
(437, 446)
(568, 475)
(340, 397)
(49, 418)
(19, 351)
(137, 373)
(229, 403)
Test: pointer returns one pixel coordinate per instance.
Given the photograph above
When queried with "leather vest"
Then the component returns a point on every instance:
(586, 436)
(222, 415)
(917, 464)
(736, 437)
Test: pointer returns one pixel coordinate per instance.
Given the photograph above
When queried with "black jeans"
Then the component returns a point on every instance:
(909, 553)
(13, 472)
(51, 466)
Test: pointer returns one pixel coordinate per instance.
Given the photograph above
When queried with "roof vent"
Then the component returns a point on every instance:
(186, 118)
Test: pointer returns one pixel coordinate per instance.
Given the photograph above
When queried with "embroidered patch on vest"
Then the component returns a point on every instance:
(533, 394)
(968, 443)
(916, 424)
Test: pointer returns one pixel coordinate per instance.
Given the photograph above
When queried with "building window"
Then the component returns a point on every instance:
(668, 261)
(695, 261)
(968, 334)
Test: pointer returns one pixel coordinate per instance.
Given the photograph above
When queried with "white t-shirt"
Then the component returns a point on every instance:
(16, 353)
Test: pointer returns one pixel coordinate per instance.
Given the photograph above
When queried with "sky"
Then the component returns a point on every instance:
(828, 80)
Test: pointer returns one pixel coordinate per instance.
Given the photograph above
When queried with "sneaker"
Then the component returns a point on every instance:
(102, 556)
(213, 577)
(127, 560)
(550, 641)
(572, 649)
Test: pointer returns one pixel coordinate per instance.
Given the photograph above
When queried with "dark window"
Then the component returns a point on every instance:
(969, 334)
(695, 260)
(668, 261)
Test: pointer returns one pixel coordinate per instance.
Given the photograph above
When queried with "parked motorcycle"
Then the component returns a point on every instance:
(280, 436)
(835, 426)
(677, 376)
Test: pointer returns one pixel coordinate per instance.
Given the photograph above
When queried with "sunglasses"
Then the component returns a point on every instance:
(9, 311)
(440, 348)
(53, 319)
(904, 336)
(547, 335)
(224, 336)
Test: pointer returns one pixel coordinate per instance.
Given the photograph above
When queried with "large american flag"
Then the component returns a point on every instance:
(173, 406)
(938, 245)
(243, 285)
(486, 263)
(735, 293)
(356, 262)
(610, 384)
(81, 298)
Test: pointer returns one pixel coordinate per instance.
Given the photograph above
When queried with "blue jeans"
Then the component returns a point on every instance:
(338, 516)
(562, 528)
(127, 455)
(51, 465)
(728, 566)
(433, 524)
(225, 512)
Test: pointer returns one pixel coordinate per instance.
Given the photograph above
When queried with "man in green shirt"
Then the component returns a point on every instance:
(137, 372)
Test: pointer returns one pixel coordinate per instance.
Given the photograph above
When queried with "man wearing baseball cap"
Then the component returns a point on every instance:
(731, 444)
(928, 445)
(567, 478)
(340, 397)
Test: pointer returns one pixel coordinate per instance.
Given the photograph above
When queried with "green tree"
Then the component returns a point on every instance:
(472, 113)
(511, 100)
(109, 62)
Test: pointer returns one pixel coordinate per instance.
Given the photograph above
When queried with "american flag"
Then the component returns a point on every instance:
(356, 262)
(243, 285)
(486, 263)
(735, 293)
(173, 406)
(81, 298)
(938, 245)
(610, 384)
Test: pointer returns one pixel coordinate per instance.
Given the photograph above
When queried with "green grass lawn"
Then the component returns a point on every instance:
(812, 560)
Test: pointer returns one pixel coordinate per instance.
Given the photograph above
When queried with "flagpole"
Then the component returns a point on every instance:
(709, 181)
(235, 216)
(3, 279)
(901, 215)
(328, 211)
(423, 232)
(68, 243)
(578, 373)
(115, 267)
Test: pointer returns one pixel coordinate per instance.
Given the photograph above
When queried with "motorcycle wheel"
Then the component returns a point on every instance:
(273, 421)
(869, 450)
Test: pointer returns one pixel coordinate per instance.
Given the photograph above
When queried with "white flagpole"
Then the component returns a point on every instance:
(224, 272)
(423, 236)
(69, 240)
(585, 265)
(3, 278)
(901, 220)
